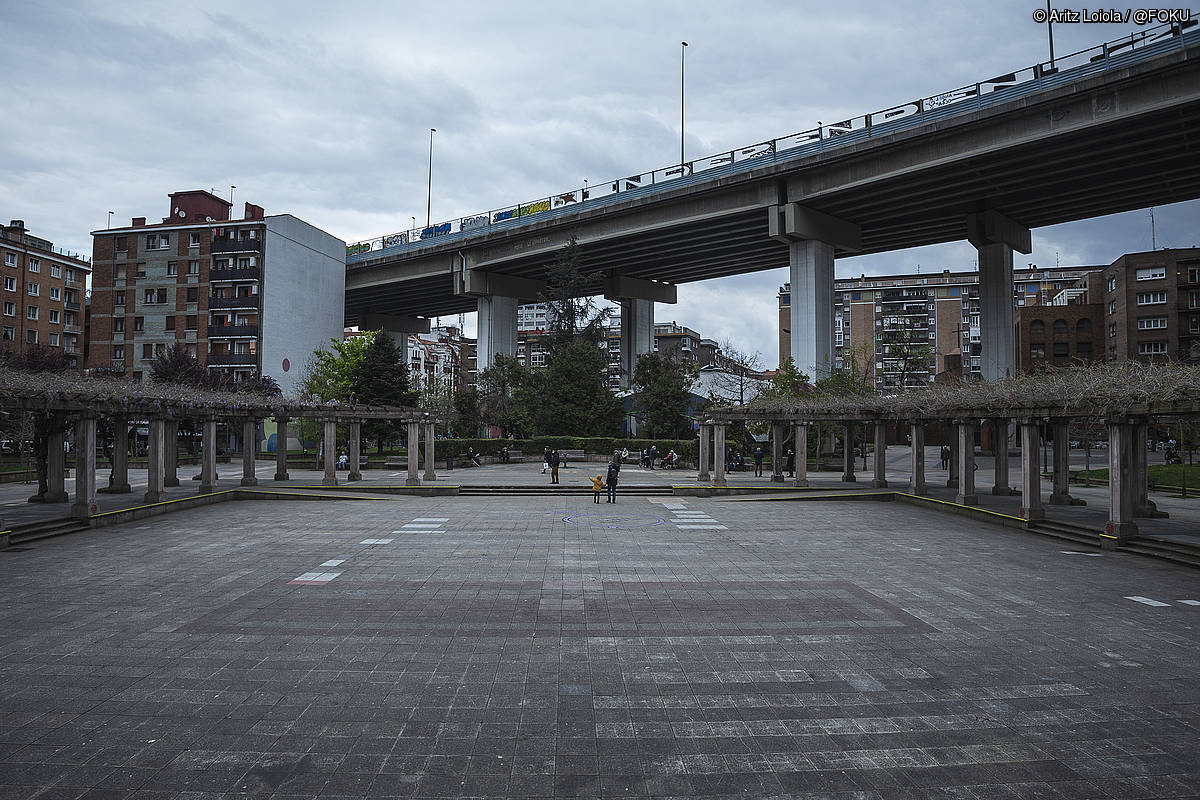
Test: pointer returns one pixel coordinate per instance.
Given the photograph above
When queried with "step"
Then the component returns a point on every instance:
(1067, 531)
(45, 529)
(1166, 551)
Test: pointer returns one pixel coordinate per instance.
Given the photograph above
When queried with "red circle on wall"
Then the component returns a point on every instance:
(286, 365)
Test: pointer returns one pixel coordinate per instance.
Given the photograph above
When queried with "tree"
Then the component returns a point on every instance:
(176, 365)
(739, 378)
(380, 378)
(36, 425)
(788, 382)
(571, 311)
(507, 398)
(466, 417)
(330, 373)
(662, 387)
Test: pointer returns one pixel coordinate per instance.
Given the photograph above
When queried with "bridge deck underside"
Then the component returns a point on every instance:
(1103, 169)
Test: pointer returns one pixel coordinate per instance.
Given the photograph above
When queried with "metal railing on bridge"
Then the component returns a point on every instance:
(1115, 54)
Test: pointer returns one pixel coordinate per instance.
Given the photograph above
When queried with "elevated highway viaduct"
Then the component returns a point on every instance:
(1114, 133)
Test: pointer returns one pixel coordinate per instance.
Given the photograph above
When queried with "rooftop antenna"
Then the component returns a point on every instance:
(1153, 238)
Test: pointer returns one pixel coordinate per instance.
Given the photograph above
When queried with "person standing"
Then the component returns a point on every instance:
(614, 473)
(945, 454)
(545, 460)
(653, 455)
(554, 462)
(791, 462)
(597, 485)
(758, 461)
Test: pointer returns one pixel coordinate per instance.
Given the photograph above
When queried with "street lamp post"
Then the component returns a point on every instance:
(429, 184)
(682, 47)
(110, 218)
(583, 199)
(1050, 34)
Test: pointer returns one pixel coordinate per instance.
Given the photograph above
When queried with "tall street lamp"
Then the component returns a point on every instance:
(110, 218)
(682, 49)
(1050, 33)
(429, 185)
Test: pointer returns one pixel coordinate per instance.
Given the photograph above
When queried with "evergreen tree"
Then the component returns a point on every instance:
(508, 397)
(380, 378)
(466, 419)
(662, 388)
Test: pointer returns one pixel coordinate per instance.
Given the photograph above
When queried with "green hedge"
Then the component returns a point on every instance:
(600, 445)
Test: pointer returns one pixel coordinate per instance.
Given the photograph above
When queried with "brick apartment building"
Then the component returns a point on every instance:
(250, 295)
(42, 293)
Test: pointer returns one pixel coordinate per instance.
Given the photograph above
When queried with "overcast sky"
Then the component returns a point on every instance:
(323, 110)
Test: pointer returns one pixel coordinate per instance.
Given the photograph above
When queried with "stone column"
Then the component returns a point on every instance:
(801, 455)
(85, 468)
(118, 479)
(56, 467)
(249, 445)
(705, 442)
(170, 453)
(880, 479)
(1122, 493)
(208, 456)
(354, 451)
(1000, 452)
(719, 454)
(916, 484)
(778, 431)
(952, 472)
(1031, 477)
(330, 477)
(966, 464)
(1143, 506)
(414, 446)
(1060, 494)
(848, 452)
(429, 475)
(281, 449)
(154, 463)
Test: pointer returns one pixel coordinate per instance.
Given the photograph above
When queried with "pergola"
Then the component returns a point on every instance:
(79, 402)
(1126, 397)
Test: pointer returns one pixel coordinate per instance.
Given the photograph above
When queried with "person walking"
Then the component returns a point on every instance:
(614, 473)
(545, 460)
(554, 462)
(758, 461)
(597, 485)
(945, 454)
(791, 462)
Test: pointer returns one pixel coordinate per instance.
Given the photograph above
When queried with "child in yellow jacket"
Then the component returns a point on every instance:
(597, 487)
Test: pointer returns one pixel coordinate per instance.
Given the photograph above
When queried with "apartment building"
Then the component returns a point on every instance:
(255, 295)
(42, 294)
(902, 330)
(1150, 303)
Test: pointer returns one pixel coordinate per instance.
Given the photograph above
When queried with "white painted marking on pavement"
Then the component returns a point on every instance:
(432, 519)
(377, 541)
(316, 577)
(1189, 602)
(1077, 553)
(334, 562)
(703, 527)
(1146, 600)
(423, 526)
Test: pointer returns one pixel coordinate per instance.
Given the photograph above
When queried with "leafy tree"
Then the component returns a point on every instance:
(788, 382)
(380, 378)
(466, 419)
(508, 397)
(662, 388)
(330, 373)
(177, 365)
(574, 393)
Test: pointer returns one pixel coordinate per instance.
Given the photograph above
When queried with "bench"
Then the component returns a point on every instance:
(514, 457)
(572, 455)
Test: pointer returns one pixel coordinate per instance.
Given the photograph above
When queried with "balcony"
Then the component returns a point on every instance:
(233, 331)
(234, 302)
(236, 274)
(69, 328)
(71, 305)
(236, 246)
(233, 359)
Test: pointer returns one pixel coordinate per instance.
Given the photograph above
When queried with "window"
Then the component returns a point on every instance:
(246, 262)
(139, 324)
(70, 274)
(1151, 273)
(118, 298)
(10, 283)
(160, 296)
(190, 322)
(31, 337)
(1193, 274)
(1193, 299)
(193, 240)
(221, 263)
(1083, 326)
(1083, 349)
(148, 296)
(121, 244)
(34, 289)
(55, 293)
(1194, 325)
(1112, 306)
(10, 259)
(1151, 323)
(1112, 283)
(35, 265)
(160, 350)
(191, 350)
(193, 268)
(172, 268)
(31, 312)
(10, 334)
(118, 324)
(1060, 327)
(10, 309)
(1037, 350)
(1151, 298)
(169, 325)
(119, 273)
(193, 294)
(156, 241)
(147, 351)
(119, 353)
(54, 315)
(1062, 349)
(1112, 330)
(1152, 348)
(1037, 327)
(55, 271)
(140, 271)
(54, 340)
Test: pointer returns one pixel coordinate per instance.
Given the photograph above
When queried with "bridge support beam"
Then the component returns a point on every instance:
(811, 237)
(496, 328)
(996, 236)
(397, 326)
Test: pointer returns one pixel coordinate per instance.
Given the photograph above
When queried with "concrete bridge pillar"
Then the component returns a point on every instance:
(996, 236)
(637, 335)
(496, 329)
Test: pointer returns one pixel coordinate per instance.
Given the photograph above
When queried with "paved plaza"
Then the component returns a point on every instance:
(550, 647)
